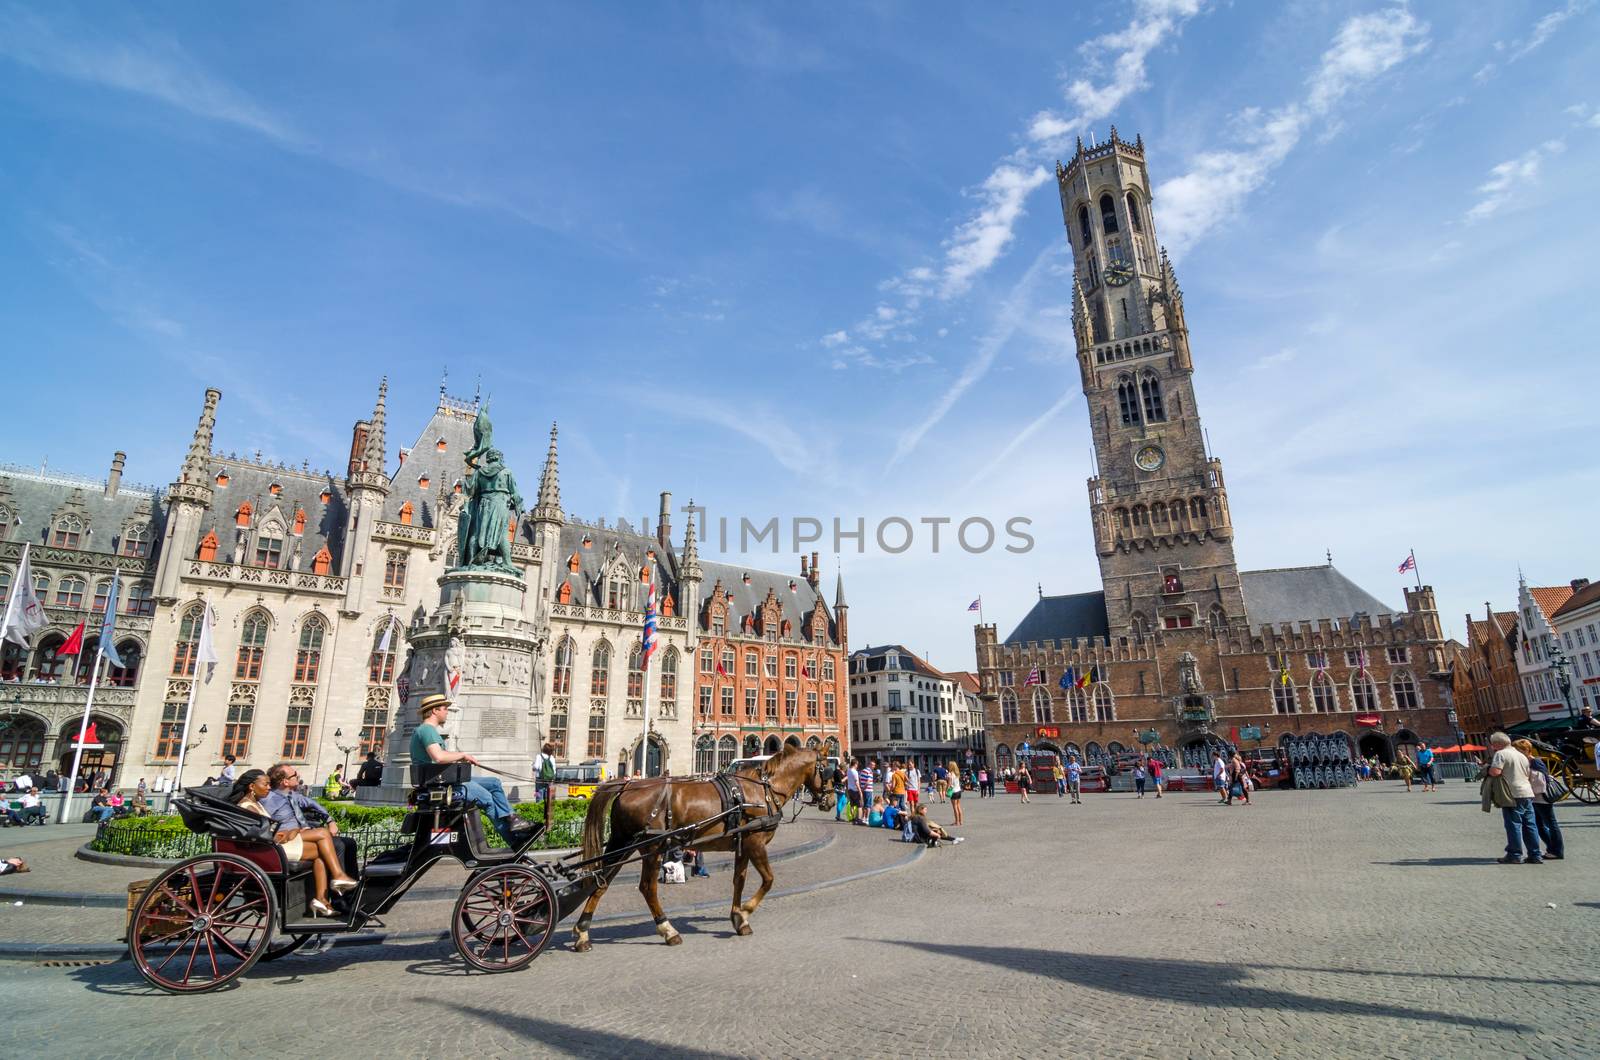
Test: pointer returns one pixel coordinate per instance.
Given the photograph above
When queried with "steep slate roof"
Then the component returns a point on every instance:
(1580, 599)
(1550, 597)
(747, 599)
(300, 490)
(875, 660)
(1305, 594)
(450, 423)
(1479, 630)
(589, 583)
(35, 500)
(1063, 618)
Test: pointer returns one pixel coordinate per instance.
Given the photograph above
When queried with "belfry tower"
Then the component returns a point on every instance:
(1159, 504)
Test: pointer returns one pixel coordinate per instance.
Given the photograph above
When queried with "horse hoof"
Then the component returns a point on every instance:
(744, 929)
(674, 940)
(582, 946)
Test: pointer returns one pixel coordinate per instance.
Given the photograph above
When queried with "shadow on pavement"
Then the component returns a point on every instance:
(1197, 983)
(578, 1041)
(1411, 863)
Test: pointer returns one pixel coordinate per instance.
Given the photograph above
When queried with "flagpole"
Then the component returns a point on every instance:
(183, 741)
(1415, 571)
(644, 703)
(83, 728)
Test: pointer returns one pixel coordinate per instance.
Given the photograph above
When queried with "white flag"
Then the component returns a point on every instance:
(388, 631)
(206, 654)
(24, 614)
(108, 630)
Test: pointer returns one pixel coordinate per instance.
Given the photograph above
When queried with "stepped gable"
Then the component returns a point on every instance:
(35, 500)
(747, 599)
(451, 423)
(1305, 594)
(1550, 598)
(236, 481)
(595, 559)
(1063, 618)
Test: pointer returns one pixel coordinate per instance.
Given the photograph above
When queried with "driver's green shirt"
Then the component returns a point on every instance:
(425, 736)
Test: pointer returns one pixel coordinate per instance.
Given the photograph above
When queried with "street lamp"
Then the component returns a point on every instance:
(1563, 668)
(199, 738)
(338, 734)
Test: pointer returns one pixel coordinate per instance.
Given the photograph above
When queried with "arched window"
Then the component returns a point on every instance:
(102, 596)
(252, 646)
(1138, 625)
(636, 672)
(1197, 508)
(619, 592)
(269, 546)
(1324, 696)
(1363, 691)
(597, 729)
(705, 755)
(1404, 688)
(1133, 213)
(1108, 214)
(1009, 715)
(183, 652)
(1154, 410)
(1105, 706)
(1083, 227)
(394, 570)
(136, 541)
(600, 671)
(47, 665)
(727, 751)
(380, 664)
(752, 746)
(1141, 516)
(68, 532)
(558, 729)
(1283, 699)
(669, 676)
(21, 744)
(1124, 518)
(1077, 705)
(1217, 618)
(1127, 400)
(127, 675)
(561, 683)
(308, 657)
(69, 592)
(1003, 759)
(1041, 706)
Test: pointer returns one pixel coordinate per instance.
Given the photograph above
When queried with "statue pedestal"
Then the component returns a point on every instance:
(479, 631)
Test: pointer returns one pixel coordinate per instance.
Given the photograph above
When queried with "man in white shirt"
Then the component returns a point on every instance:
(544, 777)
(31, 809)
(23, 783)
(1522, 829)
(1219, 777)
(229, 772)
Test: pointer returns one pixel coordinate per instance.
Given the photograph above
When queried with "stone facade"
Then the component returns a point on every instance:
(1180, 648)
(1535, 649)
(1487, 691)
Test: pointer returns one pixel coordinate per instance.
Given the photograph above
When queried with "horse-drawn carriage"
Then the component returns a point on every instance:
(206, 921)
(1569, 755)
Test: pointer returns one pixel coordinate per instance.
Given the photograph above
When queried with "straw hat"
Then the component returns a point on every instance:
(437, 699)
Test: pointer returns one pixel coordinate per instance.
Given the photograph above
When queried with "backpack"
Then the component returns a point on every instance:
(547, 770)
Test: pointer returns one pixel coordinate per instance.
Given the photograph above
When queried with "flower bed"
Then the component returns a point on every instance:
(374, 828)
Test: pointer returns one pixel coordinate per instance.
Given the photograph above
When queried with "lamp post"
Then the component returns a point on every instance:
(1563, 668)
(338, 735)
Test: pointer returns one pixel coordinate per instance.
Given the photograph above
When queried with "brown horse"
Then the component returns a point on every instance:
(638, 807)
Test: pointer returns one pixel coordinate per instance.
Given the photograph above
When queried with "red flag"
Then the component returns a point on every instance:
(723, 672)
(74, 644)
(89, 735)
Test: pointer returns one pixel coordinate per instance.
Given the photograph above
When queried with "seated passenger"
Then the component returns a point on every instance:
(875, 816)
(248, 793)
(427, 745)
(927, 831)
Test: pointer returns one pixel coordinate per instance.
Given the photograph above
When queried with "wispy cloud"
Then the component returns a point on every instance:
(1547, 26)
(1496, 193)
(982, 239)
(1218, 182)
(157, 68)
(1022, 438)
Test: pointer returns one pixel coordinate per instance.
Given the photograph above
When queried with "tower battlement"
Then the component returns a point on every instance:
(1085, 155)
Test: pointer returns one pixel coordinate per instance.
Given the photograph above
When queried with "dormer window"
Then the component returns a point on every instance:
(68, 532)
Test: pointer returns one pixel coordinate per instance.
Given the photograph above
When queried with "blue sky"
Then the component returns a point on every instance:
(808, 261)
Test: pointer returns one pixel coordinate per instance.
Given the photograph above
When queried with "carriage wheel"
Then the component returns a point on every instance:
(202, 924)
(1585, 790)
(504, 918)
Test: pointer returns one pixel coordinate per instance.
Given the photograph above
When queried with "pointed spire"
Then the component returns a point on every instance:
(1081, 328)
(838, 593)
(197, 465)
(690, 563)
(548, 508)
(377, 446)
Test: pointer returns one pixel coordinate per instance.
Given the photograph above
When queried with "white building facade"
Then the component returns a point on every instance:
(1577, 622)
(901, 707)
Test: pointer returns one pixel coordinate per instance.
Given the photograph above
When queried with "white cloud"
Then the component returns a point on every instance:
(999, 460)
(160, 70)
(1218, 182)
(1507, 177)
(835, 338)
(1547, 26)
(981, 240)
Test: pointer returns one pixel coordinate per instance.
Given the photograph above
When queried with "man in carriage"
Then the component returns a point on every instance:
(427, 745)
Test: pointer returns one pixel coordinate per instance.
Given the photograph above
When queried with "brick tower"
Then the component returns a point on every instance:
(1159, 504)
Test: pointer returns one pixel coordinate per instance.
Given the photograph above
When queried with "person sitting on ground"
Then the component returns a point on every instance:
(100, 808)
(371, 772)
(891, 815)
(875, 814)
(486, 793)
(336, 787)
(10, 865)
(929, 831)
(299, 844)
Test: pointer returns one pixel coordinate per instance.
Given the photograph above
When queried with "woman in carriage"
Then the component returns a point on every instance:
(326, 871)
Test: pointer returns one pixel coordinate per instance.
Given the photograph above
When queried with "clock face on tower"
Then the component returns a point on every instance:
(1118, 273)
(1149, 458)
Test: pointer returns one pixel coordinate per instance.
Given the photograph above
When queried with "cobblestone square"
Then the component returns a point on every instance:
(1367, 923)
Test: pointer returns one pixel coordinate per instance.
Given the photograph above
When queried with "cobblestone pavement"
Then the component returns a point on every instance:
(1367, 923)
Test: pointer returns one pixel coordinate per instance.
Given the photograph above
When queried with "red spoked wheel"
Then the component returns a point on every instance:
(202, 924)
(504, 918)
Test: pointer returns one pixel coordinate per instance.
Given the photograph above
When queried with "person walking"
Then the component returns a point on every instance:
(984, 791)
(1544, 807)
(1238, 781)
(1219, 776)
(1406, 767)
(852, 791)
(1024, 781)
(1425, 765)
(913, 785)
(866, 794)
(1075, 780)
(1138, 779)
(955, 792)
(1507, 786)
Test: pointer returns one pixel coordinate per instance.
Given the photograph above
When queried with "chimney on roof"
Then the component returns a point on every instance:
(1577, 583)
(816, 571)
(119, 458)
(664, 522)
(358, 447)
(805, 571)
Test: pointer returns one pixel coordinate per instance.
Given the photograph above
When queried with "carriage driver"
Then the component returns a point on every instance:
(427, 744)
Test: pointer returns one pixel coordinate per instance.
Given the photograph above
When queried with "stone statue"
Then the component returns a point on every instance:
(1188, 673)
(483, 530)
(455, 657)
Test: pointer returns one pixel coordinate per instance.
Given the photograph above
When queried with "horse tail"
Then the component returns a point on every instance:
(594, 823)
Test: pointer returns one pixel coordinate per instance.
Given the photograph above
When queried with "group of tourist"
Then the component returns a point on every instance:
(1518, 783)
(900, 805)
(303, 828)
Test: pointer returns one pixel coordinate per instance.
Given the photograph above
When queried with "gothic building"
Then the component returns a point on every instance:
(314, 578)
(1181, 648)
